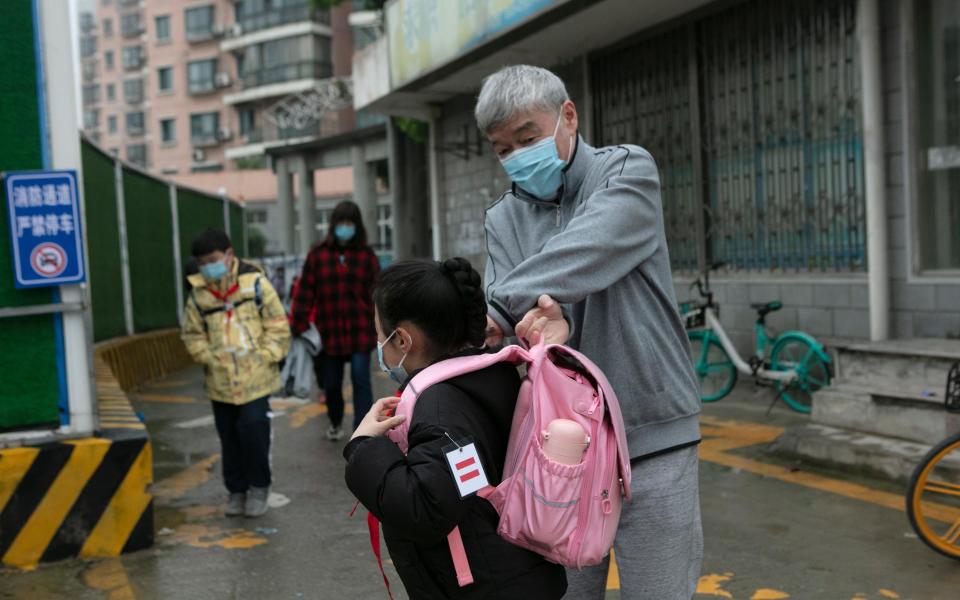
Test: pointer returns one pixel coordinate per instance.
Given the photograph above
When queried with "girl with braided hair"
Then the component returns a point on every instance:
(427, 311)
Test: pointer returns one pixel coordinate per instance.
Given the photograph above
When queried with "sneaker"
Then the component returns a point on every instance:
(334, 434)
(257, 501)
(236, 504)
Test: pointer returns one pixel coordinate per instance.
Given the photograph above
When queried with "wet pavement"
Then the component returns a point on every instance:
(773, 529)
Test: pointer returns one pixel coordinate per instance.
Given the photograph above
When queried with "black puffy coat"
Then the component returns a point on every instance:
(417, 501)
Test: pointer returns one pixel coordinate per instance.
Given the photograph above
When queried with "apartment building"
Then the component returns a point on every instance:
(189, 86)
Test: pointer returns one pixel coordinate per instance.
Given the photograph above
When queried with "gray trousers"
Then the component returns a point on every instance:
(659, 545)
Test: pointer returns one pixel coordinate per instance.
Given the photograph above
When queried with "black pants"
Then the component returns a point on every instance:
(245, 443)
(333, 385)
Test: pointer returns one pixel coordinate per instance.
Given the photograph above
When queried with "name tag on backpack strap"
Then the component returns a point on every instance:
(467, 470)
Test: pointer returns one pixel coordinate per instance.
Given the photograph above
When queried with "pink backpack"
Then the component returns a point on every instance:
(567, 513)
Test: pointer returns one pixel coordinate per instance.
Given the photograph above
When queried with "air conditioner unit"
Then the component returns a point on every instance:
(199, 155)
(219, 29)
(224, 134)
(222, 80)
(236, 30)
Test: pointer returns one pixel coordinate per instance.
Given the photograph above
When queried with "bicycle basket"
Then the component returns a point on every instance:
(952, 396)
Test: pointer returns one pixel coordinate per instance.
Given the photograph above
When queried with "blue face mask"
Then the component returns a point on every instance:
(214, 271)
(538, 168)
(345, 233)
(397, 373)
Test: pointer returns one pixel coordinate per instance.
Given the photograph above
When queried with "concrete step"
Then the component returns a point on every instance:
(851, 451)
(893, 388)
(851, 406)
(910, 368)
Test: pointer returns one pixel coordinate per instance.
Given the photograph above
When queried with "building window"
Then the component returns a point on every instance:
(91, 119)
(111, 92)
(88, 46)
(112, 124)
(255, 217)
(199, 23)
(108, 28)
(162, 24)
(248, 121)
(135, 123)
(130, 25)
(133, 91)
(137, 154)
(108, 60)
(288, 59)
(165, 79)
(91, 94)
(384, 226)
(253, 15)
(201, 76)
(168, 131)
(132, 57)
(938, 203)
(203, 128)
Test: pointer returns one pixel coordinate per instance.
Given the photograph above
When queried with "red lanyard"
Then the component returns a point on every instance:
(227, 305)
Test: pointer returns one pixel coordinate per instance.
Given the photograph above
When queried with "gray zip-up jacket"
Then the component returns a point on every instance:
(601, 251)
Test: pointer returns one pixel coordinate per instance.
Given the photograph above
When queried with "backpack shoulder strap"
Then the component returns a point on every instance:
(442, 371)
(454, 367)
(258, 294)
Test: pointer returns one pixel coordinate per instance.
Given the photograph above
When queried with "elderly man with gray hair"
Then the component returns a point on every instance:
(577, 254)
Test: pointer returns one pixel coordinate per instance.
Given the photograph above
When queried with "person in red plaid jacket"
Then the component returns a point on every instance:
(336, 285)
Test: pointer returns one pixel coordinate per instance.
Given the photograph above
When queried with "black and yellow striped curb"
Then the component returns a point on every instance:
(88, 497)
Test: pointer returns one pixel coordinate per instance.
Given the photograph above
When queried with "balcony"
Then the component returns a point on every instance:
(287, 72)
(250, 22)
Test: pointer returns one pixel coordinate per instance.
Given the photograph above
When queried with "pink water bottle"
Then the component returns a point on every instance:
(565, 441)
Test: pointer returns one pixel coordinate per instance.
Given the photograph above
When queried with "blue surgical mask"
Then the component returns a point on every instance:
(397, 373)
(214, 271)
(345, 233)
(538, 168)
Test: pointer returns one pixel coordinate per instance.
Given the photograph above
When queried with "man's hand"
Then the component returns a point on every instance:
(378, 421)
(544, 321)
(493, 333)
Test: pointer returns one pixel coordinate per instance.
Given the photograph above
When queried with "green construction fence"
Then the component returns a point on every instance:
(151, 241)
(31, 392)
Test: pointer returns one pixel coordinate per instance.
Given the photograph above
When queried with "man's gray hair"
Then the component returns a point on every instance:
(516, 89)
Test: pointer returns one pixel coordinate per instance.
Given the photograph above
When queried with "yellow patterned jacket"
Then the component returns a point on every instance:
(239, 340)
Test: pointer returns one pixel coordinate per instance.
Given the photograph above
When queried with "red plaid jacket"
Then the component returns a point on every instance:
(338, 283)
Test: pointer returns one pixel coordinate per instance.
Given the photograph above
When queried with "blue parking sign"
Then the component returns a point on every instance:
(45, 223)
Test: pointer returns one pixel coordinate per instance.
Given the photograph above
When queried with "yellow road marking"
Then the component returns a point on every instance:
(109, 577)
(739, 434)
(613, 575)
(14, 464)
(306, 412)
(312, 410)
(768, 594)
(710, 585)
(201, 536)
(167, 398)
(110, 534)
(889, 594)
(184, 481)
(38, 531)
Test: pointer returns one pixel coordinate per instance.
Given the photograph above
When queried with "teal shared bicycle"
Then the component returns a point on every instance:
(797, 367)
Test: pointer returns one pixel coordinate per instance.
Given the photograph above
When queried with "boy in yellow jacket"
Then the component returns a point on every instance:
(235, 326)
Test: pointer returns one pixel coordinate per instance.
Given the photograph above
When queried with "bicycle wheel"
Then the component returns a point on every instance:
(794, 352)
(715, 371)
(933, 498)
